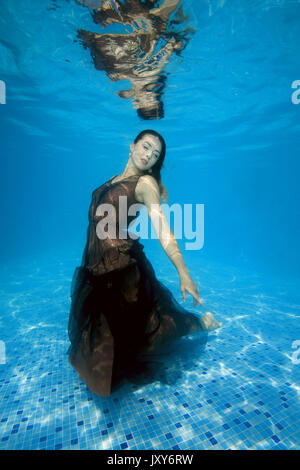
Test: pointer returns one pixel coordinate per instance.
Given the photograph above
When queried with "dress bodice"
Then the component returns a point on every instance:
(104, 255)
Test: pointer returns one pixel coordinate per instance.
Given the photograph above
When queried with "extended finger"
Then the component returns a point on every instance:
(196, 297)
(200, 301)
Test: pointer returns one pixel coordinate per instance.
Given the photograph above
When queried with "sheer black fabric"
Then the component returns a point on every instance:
(120, 312)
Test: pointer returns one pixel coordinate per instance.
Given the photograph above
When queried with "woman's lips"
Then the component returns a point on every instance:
(144, 161)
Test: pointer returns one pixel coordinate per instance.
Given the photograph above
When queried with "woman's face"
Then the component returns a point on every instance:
(146, 152)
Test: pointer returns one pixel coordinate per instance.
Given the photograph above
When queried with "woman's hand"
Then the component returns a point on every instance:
(187, 284)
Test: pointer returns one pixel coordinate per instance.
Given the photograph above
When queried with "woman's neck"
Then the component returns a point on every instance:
(131, 170)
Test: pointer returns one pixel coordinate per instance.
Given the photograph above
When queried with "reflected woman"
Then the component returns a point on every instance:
(141, 55)
(120, 311)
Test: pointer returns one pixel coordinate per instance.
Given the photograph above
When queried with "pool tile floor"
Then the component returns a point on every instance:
(235, 388)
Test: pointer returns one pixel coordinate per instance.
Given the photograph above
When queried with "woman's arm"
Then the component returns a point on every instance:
(165, 9)
(147, 192)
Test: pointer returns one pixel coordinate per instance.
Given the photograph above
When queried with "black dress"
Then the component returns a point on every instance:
(119, 310)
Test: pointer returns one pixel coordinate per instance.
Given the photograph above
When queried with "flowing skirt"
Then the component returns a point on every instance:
(119, 317)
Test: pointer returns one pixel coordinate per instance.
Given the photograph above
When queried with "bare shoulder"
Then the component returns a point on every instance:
(147, 187)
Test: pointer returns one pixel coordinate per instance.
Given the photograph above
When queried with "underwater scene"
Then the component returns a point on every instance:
(150, 262)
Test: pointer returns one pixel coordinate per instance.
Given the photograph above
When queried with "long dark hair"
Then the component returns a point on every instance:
(155, 170)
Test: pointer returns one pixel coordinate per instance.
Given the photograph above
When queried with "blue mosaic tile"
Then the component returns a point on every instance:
(236, 391)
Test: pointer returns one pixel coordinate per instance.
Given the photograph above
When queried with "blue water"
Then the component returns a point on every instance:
(232, 134)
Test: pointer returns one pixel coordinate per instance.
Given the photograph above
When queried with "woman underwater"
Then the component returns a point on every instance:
(119, 309)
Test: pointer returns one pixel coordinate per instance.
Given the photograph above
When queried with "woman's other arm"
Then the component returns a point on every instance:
(165, 9)
(147, 192)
